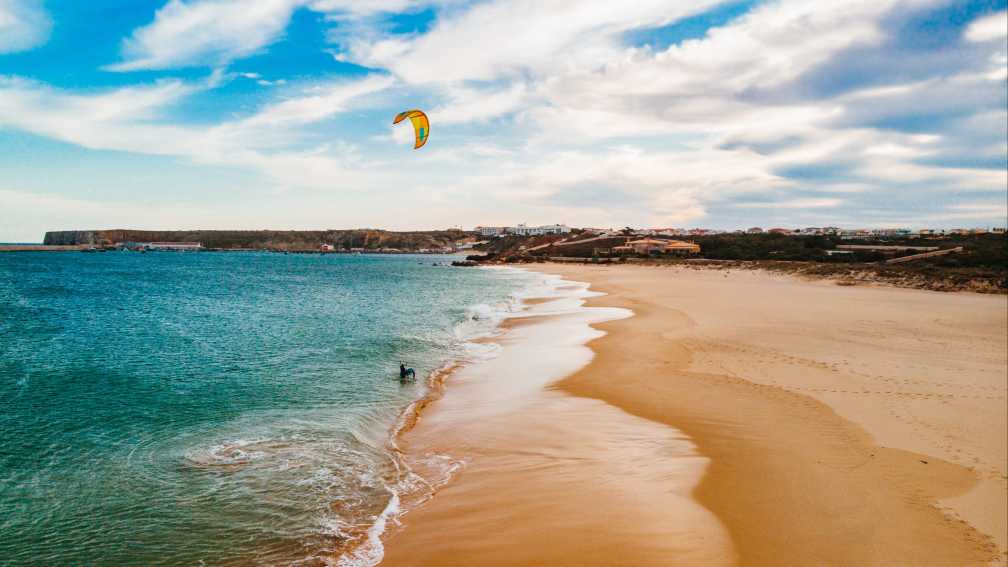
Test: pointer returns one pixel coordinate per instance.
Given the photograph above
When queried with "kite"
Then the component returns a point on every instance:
(420, 124)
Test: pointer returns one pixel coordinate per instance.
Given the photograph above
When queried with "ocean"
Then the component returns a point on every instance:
(221, 408)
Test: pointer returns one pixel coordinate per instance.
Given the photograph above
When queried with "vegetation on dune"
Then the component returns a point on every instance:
(979, 250)
(981, 266)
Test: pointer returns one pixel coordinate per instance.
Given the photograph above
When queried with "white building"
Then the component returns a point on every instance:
(523, 230)
(491, 230)
(555, 229)
(666, 232)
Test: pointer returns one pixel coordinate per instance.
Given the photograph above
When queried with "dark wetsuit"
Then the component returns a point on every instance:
(402, 371)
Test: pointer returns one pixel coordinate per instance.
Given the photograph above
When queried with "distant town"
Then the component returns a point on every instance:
(844, 233)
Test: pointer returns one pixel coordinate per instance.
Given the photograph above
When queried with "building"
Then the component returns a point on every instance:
(755, 230)
(525, 230)
(491, 230)
(680, 248)
(648, 246)
(780, 231)
(326, 248)
(859, 234)
(878, 233)
(890, 232)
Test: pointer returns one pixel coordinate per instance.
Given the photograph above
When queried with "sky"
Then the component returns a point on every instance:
(278, 114)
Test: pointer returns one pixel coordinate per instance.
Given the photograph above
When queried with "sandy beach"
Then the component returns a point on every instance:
(707, 417)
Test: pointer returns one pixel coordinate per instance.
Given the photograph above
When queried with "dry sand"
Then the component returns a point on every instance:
(814, 424)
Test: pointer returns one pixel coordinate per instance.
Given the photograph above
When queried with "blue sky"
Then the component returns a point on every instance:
(277, 113)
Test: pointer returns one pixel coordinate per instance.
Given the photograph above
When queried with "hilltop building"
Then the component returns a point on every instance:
(649, 246)
(491, 230)
(523, 230)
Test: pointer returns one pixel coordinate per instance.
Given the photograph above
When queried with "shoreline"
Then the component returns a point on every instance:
(367, 547)
(411, 489)
(791, 477)
(538, 449)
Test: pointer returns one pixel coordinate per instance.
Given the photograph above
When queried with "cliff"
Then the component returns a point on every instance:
(368, 239)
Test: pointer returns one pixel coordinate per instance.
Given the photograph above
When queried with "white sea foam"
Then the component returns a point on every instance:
(372, 552)
(230, 454)
(480, 322)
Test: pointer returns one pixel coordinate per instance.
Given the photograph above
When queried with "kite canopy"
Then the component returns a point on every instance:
(421, 125)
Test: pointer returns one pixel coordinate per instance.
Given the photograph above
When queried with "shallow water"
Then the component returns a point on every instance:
(217, 407)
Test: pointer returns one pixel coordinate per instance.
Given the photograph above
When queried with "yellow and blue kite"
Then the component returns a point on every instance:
(421, 125)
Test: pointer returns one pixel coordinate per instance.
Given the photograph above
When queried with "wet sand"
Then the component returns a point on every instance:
(813, 424)
(533, 454)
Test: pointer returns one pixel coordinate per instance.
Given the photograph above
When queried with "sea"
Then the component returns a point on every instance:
(223, 408)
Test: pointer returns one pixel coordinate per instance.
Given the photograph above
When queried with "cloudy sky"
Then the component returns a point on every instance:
(277, 113)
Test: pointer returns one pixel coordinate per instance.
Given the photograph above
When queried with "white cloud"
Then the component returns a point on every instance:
(469, 105)
(626, 184)
(131, 119)
(496, 39)
(318, 103)
(24, 24)
(984, 212)
(205, 33)
(359, 9)
(120, 119)
(209, 33)
(705, 85)
(794, 204)
(987, 28)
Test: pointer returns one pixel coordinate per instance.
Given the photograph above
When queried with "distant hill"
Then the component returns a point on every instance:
(981, 265)
(367, 239)
(980, 250)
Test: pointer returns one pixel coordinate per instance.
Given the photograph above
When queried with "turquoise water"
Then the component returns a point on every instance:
(215, 408)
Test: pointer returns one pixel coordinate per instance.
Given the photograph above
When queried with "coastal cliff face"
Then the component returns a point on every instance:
(269, 239)
(69, 237)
